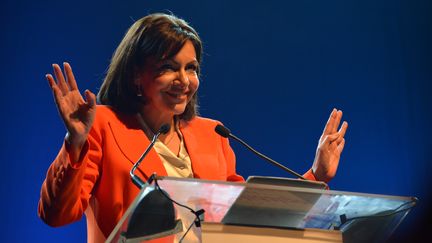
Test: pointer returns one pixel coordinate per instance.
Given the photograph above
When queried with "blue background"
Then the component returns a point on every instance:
(272, 72)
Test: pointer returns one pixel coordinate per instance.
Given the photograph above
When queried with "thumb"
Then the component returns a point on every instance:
(331, 138)
(90, 98)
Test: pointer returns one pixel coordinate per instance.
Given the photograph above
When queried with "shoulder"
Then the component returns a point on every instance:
(201, 127)
(108, 115)
(200, 123)
(104, 111)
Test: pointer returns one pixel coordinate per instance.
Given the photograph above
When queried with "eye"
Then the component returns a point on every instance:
(192, 67)
(166, 67)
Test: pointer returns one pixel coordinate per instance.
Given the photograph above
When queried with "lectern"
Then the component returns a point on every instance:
(251, 212)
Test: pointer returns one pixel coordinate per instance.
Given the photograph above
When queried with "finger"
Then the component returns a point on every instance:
(60, 78)
(342, 132)
(329, 124)
(341, 146)
(339, 140)
(343, 129)
(90, 98)
(331, 138)
(336, 122)
(70, 78)
(50, 80)
(55, 89)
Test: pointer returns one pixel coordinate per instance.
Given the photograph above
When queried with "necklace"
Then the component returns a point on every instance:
(149, 133)
(144, 127)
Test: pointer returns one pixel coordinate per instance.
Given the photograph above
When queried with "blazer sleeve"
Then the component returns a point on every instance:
(68, 185)
(309, 175)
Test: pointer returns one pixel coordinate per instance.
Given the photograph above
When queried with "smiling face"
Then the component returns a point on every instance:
(170, 84)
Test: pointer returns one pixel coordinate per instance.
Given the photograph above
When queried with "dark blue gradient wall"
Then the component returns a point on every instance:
(272, 72)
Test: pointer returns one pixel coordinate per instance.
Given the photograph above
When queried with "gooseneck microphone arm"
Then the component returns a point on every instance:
(225, 132)
(135, 179)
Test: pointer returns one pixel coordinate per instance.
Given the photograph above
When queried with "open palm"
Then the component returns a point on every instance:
(77, 114)
(330, 147)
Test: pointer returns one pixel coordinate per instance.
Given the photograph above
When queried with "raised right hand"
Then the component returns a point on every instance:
(77, 114)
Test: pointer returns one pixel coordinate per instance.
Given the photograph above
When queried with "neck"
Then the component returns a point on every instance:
(154, 120)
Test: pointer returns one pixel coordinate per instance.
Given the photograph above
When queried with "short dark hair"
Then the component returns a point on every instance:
(157, 36)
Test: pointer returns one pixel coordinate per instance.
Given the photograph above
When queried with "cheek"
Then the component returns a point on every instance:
(159, 83)
(164, 81)
(194, 84)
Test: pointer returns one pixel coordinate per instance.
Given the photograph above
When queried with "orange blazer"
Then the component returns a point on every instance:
(99, 184)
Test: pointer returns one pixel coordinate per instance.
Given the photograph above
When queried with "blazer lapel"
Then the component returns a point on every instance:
(198, 146)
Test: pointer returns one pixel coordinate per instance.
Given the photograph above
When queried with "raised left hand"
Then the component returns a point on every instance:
(330, 147)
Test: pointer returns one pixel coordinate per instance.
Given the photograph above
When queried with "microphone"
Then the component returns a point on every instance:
(135, 179)
(226, 133)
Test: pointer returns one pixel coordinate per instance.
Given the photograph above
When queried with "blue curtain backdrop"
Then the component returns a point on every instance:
(272, 72)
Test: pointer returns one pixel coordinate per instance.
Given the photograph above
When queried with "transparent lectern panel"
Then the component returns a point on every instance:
(331, 205)
(361, 217)
(372, 216)
(366, 217)
(215, 197)
(264, 204)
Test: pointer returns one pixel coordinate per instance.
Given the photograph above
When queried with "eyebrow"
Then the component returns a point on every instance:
(173, 61)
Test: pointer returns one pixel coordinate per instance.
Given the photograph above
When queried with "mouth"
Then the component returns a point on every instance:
(177, 96)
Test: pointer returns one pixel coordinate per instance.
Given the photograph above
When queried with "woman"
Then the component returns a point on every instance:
(152, 80)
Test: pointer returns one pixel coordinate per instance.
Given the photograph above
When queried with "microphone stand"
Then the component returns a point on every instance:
(135, 179)
(225, 132)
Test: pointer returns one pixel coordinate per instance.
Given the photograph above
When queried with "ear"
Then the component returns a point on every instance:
(138, 76)
(139, 70)
(137, 79)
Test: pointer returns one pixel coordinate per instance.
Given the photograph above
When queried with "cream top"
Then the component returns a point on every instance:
(175, 165)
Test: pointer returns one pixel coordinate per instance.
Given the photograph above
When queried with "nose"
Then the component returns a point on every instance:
(182, 79)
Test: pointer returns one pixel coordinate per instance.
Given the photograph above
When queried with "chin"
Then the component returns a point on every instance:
(178, 110)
